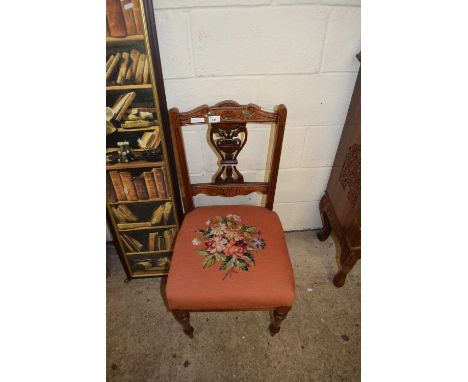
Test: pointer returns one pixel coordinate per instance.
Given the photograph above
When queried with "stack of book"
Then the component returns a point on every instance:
(123, 18)
(160, 215)
(139, 117)
(164, 242)
(133, 68)
(130, 243)
(150, 185)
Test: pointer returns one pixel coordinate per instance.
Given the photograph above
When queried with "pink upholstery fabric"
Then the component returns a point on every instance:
(268, 284)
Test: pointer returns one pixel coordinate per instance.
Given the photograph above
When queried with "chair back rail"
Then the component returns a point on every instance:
(228, 136)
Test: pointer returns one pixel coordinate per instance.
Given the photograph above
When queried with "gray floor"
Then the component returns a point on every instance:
(319, 341)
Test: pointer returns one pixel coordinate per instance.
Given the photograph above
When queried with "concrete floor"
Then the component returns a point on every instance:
(319, 340)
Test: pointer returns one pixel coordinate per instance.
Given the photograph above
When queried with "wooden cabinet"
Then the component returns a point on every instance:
(340, 207)
(143, 202)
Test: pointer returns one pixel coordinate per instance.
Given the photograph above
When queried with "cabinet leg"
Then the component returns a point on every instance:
(326, 229)
(183, 317)
(279, 314)
(347, 261)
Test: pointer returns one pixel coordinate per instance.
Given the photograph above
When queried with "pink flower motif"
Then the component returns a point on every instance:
(216, 244)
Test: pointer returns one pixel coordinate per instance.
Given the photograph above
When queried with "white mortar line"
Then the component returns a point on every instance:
(330, 14)
(244, 76)
(192, 59)
(243, 6)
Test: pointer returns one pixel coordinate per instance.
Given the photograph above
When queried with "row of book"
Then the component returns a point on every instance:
(133, 68)
(126, 219)
(156, 241)
(150, 185)
(123, 18)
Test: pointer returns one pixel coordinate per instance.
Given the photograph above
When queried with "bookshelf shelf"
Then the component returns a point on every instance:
(148, 252)
(126, 39)
(128, 87)
(151, 128)
(139, 201)
(147, 228)
(136, 164)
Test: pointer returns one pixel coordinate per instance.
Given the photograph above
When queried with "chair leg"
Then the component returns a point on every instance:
(279, 314)
(183, 317)
(326, 229)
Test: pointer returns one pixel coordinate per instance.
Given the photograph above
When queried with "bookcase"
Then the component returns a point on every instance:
(142, 198)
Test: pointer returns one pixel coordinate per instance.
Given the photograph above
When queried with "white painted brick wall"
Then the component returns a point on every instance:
(297, 52)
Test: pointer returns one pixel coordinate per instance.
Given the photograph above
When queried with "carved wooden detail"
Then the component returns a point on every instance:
(228, 140)
(229, 111)
(232, 190)
(351, 173)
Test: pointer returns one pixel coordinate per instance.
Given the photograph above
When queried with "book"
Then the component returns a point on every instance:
(118, 186)
(122, 104)
(138, 16)
(128, 185)
(153, 241)
(137, 124)
(113, 66)
(123, 68)
(151, 185)
(134, 55)
(129, 18)
(146, 71)
(157, 215)
(118, 215)
(161, 245)
(127, 245)
(132, 244)
(129, 215)
(159, 179)
(140, 187)
(111, 196)
(166, 180)
(109, 61)
(167, 212)
(167, 240)
(133, 225)
(139, 69)
(115, 18)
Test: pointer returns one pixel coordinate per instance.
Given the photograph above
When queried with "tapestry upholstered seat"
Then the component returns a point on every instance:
(231, 257)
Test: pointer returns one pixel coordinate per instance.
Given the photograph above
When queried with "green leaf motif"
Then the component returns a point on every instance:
(202, 252)
(209, 261)
(250, 257)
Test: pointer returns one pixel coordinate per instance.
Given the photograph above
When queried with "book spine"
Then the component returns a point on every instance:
(123, 68)
(166, 181)
(151, 241)
(133, 225)
(129, 186)
(138, 16)
(140, 186)
(127, 102)
(112, 66)
(118, 185)
(129, 18)
(159, 179)
(151, 185)
(127, 244)
(128, 215)
(140, 68)
(146, 71)
(115, 19)
(111, 196)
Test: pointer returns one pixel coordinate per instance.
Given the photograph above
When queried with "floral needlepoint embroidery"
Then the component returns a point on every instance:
(227, 241)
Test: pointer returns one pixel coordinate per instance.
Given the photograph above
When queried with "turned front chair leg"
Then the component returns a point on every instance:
(279, 314)
(183, 317)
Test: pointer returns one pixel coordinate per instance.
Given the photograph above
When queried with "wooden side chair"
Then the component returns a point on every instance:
(231, 257)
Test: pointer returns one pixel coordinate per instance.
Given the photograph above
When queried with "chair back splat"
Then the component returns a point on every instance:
(228, 135)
